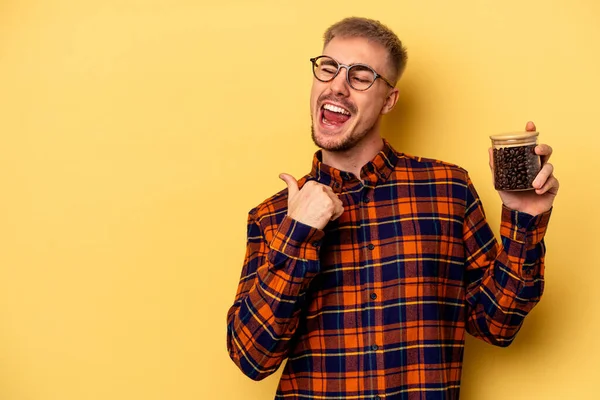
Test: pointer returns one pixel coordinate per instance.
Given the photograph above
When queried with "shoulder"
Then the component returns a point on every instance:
(423, 168)
(272, 210)
(270, 207)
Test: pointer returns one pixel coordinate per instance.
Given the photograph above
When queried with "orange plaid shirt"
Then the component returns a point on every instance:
(376, 305)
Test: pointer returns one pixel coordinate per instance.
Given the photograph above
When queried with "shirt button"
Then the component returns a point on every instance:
(383, 175)
(374, 347)
(377, 398)
(370, 246)
(373, 296)
(336, 185)
(316, 243)
(366, 199)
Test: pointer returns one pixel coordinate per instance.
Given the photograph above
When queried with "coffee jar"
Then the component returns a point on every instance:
(515, 163)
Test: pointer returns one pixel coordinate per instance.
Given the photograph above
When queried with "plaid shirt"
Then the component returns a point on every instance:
(376, 305)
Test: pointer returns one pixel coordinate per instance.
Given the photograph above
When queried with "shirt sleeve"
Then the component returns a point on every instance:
(270, 294)
(504, 281)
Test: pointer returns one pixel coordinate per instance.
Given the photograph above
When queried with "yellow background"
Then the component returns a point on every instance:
(136, 135)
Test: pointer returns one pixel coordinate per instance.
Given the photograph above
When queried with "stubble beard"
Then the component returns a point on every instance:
(345, 144)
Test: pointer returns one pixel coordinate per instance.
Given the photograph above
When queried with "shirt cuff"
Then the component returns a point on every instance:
(522, 227)
(297, 240)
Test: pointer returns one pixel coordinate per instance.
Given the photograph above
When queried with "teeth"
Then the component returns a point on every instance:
(336, 109)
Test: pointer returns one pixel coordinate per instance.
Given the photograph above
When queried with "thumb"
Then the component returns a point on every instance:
(291, 183)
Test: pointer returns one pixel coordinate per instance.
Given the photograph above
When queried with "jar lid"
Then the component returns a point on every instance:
(514, 135)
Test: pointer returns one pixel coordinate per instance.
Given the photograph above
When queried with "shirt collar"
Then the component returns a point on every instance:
(373, 173)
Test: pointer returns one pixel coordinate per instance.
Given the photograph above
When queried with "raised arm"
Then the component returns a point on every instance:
(503, 281)
(277, 271)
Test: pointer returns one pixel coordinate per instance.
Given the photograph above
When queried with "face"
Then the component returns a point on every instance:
(342, 118)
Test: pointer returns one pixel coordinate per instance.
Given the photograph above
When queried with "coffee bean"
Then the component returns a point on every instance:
(515, 168)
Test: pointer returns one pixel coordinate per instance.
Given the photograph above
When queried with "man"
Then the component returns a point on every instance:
(366, 273)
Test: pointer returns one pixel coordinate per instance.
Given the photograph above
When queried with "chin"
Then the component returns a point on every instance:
(338, 142)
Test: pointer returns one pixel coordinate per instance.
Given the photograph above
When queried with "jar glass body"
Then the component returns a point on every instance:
(515, 163)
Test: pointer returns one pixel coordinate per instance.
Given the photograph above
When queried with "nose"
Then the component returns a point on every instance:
(339, 84)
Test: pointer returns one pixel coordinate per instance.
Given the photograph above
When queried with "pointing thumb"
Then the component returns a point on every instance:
(291, 183)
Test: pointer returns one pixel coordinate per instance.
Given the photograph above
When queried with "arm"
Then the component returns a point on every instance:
(270, 295)
(276, 273)
(503, 281)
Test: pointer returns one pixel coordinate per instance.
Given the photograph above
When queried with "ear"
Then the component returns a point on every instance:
(390, 101)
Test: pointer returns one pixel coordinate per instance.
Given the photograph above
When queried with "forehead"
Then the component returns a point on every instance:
(354, 50)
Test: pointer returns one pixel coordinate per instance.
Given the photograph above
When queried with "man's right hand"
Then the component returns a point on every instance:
(314, 205)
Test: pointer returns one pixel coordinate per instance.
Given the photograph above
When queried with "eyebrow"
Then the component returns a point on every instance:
(361, 67)
(329, 61)
(358, 64)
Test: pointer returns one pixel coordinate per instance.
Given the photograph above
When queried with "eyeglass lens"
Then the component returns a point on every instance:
(360, 77)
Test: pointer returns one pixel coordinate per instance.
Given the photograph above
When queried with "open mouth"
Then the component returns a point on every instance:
(333, 116)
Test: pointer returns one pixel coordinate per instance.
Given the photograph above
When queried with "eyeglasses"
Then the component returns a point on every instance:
(359, 76)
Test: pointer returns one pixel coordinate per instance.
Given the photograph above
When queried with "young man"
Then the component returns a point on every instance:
(366, 273)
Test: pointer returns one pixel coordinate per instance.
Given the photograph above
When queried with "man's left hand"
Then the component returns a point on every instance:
(536, 201)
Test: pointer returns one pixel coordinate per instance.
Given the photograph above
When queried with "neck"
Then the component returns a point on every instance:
(352, 160)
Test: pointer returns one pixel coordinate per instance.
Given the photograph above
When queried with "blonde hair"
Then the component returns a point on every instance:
(375, 31)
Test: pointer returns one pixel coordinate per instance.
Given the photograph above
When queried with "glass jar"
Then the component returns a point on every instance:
(515, 163)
